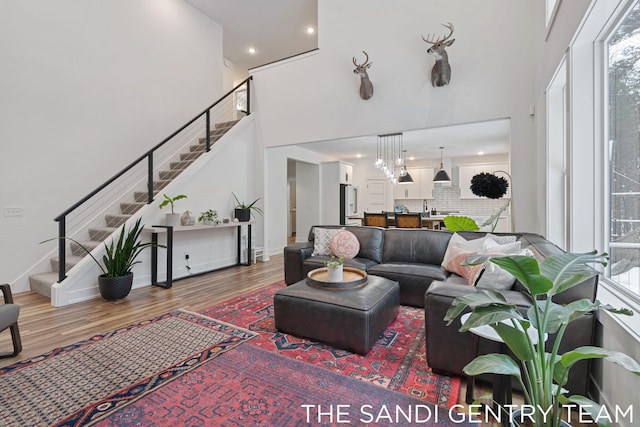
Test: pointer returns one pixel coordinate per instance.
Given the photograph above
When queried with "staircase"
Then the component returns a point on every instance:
(42, 282)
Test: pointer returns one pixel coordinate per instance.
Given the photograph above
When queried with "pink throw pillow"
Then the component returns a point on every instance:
(344, 243)
(456, 256)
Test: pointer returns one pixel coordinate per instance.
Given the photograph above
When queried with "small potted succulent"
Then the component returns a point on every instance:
(209, 217)
(334, 268)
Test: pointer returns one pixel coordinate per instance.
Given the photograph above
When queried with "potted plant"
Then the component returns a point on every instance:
(117, 278)
(172, 218)
(541, 374)
(243, 210)
(209, 217)
(334, 268)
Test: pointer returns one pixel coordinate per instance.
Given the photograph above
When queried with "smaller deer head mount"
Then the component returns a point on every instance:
(441, 71)
(366, 87)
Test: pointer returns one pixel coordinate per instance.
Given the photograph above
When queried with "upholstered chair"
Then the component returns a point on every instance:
(9, 320)
(376, 219)
(409, 220)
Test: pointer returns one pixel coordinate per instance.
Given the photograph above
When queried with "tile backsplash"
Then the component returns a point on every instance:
(447, 198)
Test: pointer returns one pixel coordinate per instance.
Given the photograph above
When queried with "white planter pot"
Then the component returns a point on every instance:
(172, 219)
(334, 274)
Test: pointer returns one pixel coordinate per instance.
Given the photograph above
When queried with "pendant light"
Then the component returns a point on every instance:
(399, 160)
(405, 176)
(378, 162)
(442, 175)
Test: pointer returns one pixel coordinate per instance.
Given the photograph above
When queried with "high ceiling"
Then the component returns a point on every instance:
(276, 29)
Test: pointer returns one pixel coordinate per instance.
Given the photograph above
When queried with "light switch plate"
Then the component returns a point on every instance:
(13, 211)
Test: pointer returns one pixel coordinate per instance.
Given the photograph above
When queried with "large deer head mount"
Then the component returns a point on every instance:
(366, 87)
(441, 71)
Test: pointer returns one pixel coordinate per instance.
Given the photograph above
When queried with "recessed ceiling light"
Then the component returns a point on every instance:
(358, 155)
(412, 158)
(251, 50)
(480, 153)
(310, 30)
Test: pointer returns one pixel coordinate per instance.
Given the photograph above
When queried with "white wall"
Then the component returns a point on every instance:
(316, 97)
(86, 88)
(208, 184)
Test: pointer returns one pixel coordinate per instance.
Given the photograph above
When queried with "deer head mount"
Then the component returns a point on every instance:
(366, 87)
(441, 71)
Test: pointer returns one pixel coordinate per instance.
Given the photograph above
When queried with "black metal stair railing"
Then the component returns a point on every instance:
(203, 123)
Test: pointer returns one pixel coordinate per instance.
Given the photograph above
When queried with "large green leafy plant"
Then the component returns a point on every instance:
(541, 374)
(120, 256)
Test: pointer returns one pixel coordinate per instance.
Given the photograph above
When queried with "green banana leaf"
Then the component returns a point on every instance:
(456, 223)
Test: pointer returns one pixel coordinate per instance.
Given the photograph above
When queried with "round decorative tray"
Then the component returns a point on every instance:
(351, 278)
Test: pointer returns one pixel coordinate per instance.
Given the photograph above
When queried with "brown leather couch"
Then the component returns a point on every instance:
(412, 257)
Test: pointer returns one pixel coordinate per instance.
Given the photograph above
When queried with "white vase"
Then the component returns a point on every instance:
(172, 219)
(187, 218)
(335, 274)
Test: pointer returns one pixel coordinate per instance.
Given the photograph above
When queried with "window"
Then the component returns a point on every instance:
(623, 73)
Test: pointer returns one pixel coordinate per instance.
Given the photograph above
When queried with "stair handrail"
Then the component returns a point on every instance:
(61, 219)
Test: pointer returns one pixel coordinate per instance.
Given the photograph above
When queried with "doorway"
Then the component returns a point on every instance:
(376, 195)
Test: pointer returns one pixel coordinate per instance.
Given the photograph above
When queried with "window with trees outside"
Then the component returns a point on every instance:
(623, 70)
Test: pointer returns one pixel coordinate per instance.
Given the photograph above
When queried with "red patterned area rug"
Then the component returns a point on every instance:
(73, 385)
(250, 386)
(397, 361)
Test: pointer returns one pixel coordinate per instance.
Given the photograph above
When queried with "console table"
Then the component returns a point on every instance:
(169, 230)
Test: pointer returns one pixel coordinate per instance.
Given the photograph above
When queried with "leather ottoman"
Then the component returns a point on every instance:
(351, 319)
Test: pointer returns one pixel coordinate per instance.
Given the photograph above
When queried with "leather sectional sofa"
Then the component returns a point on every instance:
(413, 258)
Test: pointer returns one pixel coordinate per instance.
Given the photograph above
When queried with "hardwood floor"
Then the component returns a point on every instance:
(43, 327)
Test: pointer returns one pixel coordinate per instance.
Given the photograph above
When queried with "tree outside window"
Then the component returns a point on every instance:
(624, 151)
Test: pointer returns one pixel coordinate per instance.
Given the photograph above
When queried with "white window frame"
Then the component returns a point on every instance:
(588, 159)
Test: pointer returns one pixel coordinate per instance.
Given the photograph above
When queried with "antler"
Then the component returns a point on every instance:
(365, 61)
(448, 25)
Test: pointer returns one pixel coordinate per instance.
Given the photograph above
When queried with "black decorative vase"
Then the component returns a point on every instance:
(243, 215)
(115, 288)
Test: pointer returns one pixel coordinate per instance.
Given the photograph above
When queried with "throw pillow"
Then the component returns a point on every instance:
(457, 255)
(457, 240)
(344, 243)
(497, 278)
(502, 240)
(321, 238)
(491, 247)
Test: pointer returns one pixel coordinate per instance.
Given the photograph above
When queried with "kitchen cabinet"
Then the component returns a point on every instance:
(411, 190)
(420, 188)
(346, 173)
(426, 183)
(466, 172)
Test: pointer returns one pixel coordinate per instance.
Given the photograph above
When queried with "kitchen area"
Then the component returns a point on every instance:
(350, 181)
(434, 200)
